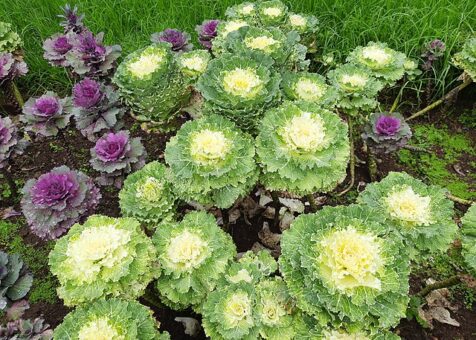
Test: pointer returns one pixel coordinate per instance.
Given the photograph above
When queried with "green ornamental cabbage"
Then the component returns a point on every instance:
(246, 11)
(309, 87)
(340, 265)
(306, 26)
(194, 255)
(147, 195)
(283, 48)
(110, 319)
(249, 304)
(357, 89)
(383, 62)
(193, 63)
(211, 161)
(224, 29)
(468, 237)
(420, 213)
(104, 257)
(466, 59)
(272, 13)
(150, 82)
(240, 87)
(302, 148)
(10, 41)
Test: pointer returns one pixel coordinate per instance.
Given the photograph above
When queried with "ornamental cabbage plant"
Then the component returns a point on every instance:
(468, 239)
(307, 27)
(15, 279)
(272, 13)
(357, 89)
(383, 62)
(466, 59)
(104, 257)
(10, 41)
(421, 214)
(302, 148)
(309, 87)
(249, 304)
(207, 31)
(148, 196)
(343, 256)
(10, 144)
(245, 11)
(211, 162)
(194, 255)
(240, 87)
(194, 63)
(47, 114)
(26, 329)
(11, 67)
(115, 155)
(57, 200)
(110, 319)
(223, 30)
(283, 48)
(146, 73)
(96, 108)
(386, 132)
(179, 41)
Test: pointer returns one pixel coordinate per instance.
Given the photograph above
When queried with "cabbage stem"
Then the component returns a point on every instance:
(440, 101)
(277, 206)
(372, 165)
(451, 281)
(459, 200)
(352, 160)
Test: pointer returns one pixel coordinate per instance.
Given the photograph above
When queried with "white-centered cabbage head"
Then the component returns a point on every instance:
(408, 206)
(208, 147)
(187, 250)
(238, 309)
(243, 83)
(150, 190)
(145, 65)
(305, 132)
(377, 55)
(309, 90)
(99, 329)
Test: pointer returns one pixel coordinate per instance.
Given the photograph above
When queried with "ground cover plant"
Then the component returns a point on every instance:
(248, 174)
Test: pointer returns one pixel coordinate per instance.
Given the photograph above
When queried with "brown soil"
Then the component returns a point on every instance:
(73, 151)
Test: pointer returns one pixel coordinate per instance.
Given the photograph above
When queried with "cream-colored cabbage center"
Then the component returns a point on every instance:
(273, 12)
(243, 83)
(354, 80)
(150, 190)
(305, 132)
(186, 250)
(408, 206)
(262, 43)
(349, 259)
(247, 10)
(376, 54)
(145, 65)
(195, 63)
(341, 335)
(95, 248)
(307, 89)
(232, 26)
(237, 308)
(99, 329)
(209, 147)
(272, 311)
(297, 20)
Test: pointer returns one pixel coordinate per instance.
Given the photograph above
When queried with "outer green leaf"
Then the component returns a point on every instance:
(468, 232)
(466, 59)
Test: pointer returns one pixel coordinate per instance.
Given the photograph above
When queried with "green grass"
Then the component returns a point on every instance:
(404, 24)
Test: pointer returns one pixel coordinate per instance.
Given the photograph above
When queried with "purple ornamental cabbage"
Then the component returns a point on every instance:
(434, 50)
(57, 200)
(386, 132)
(116, 155)
(89, 57)
(179, 40)
(56, 49)
(73, 22)
(47, 114)
(9, 143)
(207, 31)
(11, 67)
(96, 108)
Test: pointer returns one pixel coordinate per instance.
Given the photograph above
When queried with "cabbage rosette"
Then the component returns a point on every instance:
(223, 30)
(147, 195)
(104, 257)
(240, 87)
(148, 72)
(340, 261)
(10, 41)
(272, 13)
(309, 87)
(110, 319)
(420, 213)
(302, 148)
(357, 89)
(307, 27)
(194, 254)
(466, 59)
(246, 11)
(211, 161)
(468, 239)
(384, 63)
(194, 63)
